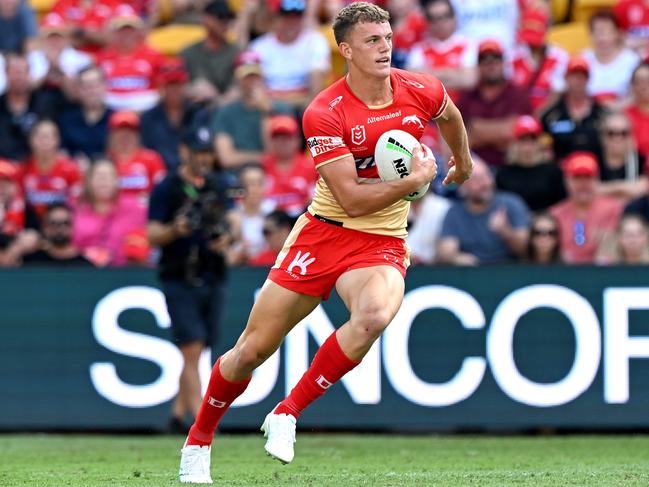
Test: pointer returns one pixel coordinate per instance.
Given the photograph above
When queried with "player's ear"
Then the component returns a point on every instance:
(345, 50)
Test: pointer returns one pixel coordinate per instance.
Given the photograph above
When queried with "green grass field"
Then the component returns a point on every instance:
(331, 460)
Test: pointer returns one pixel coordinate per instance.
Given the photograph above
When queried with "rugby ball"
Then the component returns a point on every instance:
(393, 153)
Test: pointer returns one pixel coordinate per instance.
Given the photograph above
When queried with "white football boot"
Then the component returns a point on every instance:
(280, 431)
(195, 465)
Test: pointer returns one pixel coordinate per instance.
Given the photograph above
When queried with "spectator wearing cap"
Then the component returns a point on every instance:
(622, 169)
(210, 62)
(638, 110)
(138, 168)
(161, 126)
(240, 126)
(84, 127)
(444, 52)
(536, 65)
(48, 177)
(491, 108)
(611, 63)
(633, 18)
(88, 20)
(131, 66)
(20, 107)
(408, 28)
(529, 172)
(584, 217)
(573, 120)
(488, 19)
(487, 226)
(290, 175)
(295, 59)
(18, 26)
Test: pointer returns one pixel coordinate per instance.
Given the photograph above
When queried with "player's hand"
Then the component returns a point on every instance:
(458, 174)
(423, 165)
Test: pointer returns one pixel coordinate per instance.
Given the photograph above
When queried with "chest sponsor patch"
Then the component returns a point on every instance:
(319, 145)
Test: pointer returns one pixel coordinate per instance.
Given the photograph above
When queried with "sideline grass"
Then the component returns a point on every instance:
(331, 460)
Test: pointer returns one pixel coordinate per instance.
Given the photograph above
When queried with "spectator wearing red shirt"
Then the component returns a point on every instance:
(408, 25)
(638, 111)
(130, 65)
(584, 218)
(277, 226)
(490, 110)
(290, 175)
(139, 169)
(88, 18)
(48, 177)
(537, 66)
(444, 52)
(12, 204)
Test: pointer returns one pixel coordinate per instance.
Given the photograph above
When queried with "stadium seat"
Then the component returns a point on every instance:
(41, 7)
(171, 39)
(560, 10)
(583, 9)
(573, 36)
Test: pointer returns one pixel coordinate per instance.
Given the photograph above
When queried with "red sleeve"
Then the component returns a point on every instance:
(435, 93)
(324, 136)
(75, 180)
(157, 168)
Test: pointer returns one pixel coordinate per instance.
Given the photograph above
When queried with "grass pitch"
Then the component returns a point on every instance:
(331, 460)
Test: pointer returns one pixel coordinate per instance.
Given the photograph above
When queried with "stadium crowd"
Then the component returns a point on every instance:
(92, 118)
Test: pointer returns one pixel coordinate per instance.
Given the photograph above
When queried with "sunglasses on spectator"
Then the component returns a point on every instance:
(439, 18)
(490, 58)
(59, 223)
(268, 231)
(546, 232)
(617, 133)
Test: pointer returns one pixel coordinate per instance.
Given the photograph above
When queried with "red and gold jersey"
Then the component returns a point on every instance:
(337, 124)
(140, 172)
(60, 184)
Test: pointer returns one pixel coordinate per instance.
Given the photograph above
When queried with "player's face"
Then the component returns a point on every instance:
(369, 48)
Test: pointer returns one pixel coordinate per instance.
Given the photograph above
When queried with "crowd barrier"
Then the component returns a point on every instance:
(490, 348)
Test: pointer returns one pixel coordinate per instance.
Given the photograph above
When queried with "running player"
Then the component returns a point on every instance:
(351, 237)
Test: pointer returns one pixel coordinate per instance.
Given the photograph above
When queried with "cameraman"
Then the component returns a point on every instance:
(187, 220)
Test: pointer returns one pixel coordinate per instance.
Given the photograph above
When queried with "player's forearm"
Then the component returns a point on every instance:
(364, 199)
(453, 132)
(160, 234)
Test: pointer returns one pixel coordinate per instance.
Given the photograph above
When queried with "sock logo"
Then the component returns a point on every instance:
(215, 402)
(301, 261)
(324, 383)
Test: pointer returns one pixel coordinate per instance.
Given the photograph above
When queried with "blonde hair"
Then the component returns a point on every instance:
(611, 252)
(357, 13)
(87, 195)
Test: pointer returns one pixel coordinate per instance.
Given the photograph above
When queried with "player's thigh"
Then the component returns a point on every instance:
(376, 290)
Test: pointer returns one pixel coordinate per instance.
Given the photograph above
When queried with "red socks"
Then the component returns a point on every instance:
(220, 394)
(329, 365)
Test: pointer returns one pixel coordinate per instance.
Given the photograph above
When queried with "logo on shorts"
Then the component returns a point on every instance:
(412, 120)
(324, 383)
(358, 134)
(216, 403)
(301, 261)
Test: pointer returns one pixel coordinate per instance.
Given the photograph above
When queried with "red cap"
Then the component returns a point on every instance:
(136, 246)
(53, 23)
(8, 170)
(247, 62)
(581, 164)
(534, 26)
(577, 64)
(124, 16)
(490, 46)
(526, 125)
(283, 124)
(173, 71)
(124, 120)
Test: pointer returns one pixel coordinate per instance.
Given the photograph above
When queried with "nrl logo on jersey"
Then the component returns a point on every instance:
(335, 102)
(358, 134)
(412, 120)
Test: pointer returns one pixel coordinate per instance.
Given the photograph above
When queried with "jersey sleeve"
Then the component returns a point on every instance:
(157, 169)
(438, 97)
(324, 136)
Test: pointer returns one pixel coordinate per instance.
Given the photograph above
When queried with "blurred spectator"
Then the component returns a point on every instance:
(55, 247)
(621, 167)
(290, 175)
(490, 110)
(537, 66)
(277, 226)
(487, 227)
(210, 62)
(638, 111)
(429, 214)
(611, 64)
(12, 204)
(629, 245)
(487, 19)
(633, 18)
(104, 217)
(543, 247)
(444, 52)
(48, 176)
(573, 120)
(248, 217)
(639, 206)
(295, 59)
(239, 126)
(139, 169)
(88, 19)
(162, 125)
(584, 217)
(188, 221)
(20, 108)
(84, 128)
(529, 172)
(408, 28)
(130, 65)
(18, 26)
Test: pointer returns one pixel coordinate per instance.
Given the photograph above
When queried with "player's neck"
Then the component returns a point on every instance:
(371, 91)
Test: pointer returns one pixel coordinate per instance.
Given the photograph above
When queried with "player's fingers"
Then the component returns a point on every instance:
(449, 177)
(417, 151)
(451, 161)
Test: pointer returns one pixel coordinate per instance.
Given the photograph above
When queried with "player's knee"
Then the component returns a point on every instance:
(371, 321)
(248, 357)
